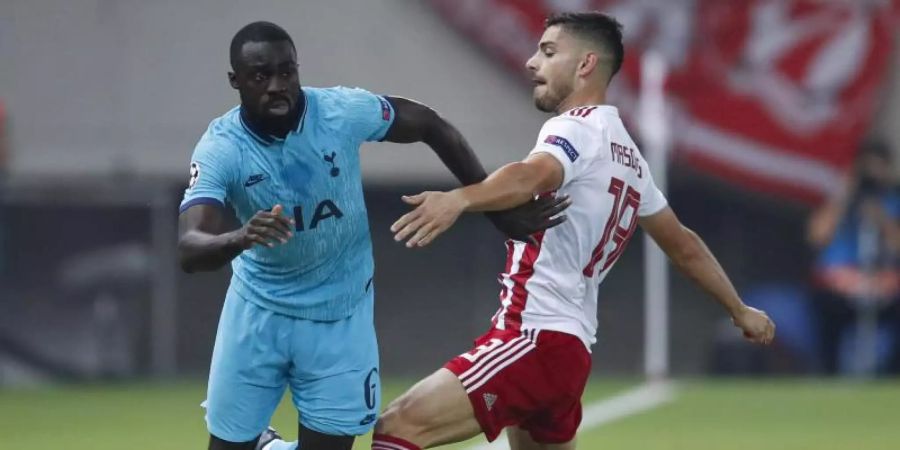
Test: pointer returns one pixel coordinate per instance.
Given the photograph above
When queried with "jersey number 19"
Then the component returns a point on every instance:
(625, 198)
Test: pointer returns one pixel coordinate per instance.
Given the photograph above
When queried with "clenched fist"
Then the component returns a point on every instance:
(756, 325)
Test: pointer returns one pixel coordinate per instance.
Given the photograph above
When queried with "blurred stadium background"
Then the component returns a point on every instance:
(758, 108)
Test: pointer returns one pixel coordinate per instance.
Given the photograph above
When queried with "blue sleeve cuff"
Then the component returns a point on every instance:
(387, 115)
(200, 201)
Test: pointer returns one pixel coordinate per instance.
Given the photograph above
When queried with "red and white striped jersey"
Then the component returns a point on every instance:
(553, 285)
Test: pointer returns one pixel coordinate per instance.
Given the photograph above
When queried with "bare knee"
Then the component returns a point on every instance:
(435, 411)
(399, 420)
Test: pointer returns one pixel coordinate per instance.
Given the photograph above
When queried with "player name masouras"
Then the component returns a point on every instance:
(326, 209)
(625, 156)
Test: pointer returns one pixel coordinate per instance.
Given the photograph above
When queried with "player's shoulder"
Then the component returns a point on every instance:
(343, 110)
(575, 123)
(332, 106)
(224, 135)
(335, 96)
(565, 122)
(584, 127)
(597, 117)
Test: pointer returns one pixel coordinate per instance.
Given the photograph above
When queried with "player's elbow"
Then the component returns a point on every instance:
(186, 258)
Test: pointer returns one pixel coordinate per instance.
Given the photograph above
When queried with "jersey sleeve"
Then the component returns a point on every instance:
(567, 140)
(369, 116)
(652, 199)
(211, 174)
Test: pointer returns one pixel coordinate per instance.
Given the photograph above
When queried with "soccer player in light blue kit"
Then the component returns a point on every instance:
(299, 309)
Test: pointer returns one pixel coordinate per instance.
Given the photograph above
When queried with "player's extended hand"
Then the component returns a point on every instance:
(524, 220)
(756, 325)
(266, 228)
(435, 212)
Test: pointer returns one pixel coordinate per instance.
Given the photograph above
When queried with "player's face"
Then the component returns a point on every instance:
(267, 79)
(553, 68)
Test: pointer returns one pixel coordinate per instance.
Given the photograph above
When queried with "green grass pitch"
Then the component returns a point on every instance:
(705, 415)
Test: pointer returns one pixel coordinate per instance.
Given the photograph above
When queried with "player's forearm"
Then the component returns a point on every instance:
(453, 150)
(201, 252)
(506, 188)
(697, 262)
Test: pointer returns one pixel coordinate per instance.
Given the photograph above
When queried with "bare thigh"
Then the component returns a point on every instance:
(436, 411)
(519, 439)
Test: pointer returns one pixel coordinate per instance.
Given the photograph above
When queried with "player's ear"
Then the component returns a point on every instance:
(232, 80)
(588, 64)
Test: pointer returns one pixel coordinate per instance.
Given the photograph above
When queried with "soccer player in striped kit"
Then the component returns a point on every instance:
(529, 370)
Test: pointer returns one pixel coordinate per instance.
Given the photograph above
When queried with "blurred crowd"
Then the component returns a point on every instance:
(844, 319)
(856, 274)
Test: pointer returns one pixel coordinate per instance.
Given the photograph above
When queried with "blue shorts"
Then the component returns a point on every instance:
(331, 368)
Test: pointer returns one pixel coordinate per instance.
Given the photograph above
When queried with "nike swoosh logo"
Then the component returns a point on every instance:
(254, 179)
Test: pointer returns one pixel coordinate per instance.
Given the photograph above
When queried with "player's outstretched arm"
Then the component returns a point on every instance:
(510, 186)
(415, 122)
(203, 246)
(692, 257)
(513, 184)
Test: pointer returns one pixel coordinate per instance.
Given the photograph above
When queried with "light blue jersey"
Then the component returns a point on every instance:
(325, 270)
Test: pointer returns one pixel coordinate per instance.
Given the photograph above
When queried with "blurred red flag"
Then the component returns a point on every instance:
(774, 95)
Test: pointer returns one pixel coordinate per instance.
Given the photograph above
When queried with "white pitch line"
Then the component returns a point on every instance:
(635, 401)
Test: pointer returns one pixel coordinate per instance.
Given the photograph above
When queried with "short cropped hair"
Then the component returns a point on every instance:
(595, 27)
(256, 32)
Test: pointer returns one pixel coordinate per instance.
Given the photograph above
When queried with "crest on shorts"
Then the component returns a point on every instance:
(489, 400)
(195, 174)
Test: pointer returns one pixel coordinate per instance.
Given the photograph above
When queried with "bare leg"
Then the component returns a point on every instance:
(519, 439)
(221, 444)
(436, 411)
(313, 440)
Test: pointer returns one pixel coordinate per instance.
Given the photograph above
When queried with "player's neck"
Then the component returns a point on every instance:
(582, 97)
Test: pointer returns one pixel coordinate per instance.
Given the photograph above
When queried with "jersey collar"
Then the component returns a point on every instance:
(302, 119)
(599, 108)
